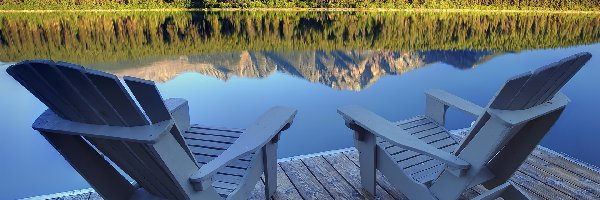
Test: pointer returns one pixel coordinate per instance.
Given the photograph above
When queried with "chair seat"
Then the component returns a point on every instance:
(421, 168)
(208, 143)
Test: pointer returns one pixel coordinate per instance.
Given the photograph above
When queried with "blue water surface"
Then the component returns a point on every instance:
(30, 166)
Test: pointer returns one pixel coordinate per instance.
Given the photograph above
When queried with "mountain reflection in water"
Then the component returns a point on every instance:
(347, 70)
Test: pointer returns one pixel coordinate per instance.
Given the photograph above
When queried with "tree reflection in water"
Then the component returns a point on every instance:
(343, 50)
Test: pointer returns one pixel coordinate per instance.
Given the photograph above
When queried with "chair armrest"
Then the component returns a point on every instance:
(268, 126)
(180, 112)
(450, 100)
(52, 123)
(516, 117)
(379, 126)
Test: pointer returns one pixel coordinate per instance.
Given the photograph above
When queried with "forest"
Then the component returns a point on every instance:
(106, 37)
(398, 4)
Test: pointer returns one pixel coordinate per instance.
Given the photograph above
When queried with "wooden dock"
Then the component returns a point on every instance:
(335, 175)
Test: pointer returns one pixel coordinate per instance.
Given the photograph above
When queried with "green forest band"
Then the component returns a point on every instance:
(90, 38)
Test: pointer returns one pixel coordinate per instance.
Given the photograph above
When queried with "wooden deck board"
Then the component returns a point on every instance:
(329, 177)
(285, 188)
(351, 173)
(575, 167)
(538, 189)
(259, 190)
(305, 182)
(566, 175)
(555, 182)
(335, 175)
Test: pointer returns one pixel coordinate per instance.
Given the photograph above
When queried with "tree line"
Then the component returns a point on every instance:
(95, 4)
(113, 37)
(159, 4)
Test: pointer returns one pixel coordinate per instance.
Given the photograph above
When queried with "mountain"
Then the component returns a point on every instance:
(462, 59)
(347, 70)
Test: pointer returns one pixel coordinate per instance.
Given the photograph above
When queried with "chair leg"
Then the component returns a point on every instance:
(270, 165)
(365, 143)
(104, 178)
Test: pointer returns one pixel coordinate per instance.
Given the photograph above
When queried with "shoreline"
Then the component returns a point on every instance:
(414, 10)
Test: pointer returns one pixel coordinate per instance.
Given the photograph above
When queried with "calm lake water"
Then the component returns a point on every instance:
(232, 66)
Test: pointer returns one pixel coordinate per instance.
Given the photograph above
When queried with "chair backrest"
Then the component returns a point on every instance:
(542, 85)
(88, 96)
(530, 89)
(501, 149)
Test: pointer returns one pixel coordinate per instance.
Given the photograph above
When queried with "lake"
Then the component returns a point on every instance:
(232, 66)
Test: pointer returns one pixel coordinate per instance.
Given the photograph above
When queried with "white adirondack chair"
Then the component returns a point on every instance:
(423, 161)
(91, 112)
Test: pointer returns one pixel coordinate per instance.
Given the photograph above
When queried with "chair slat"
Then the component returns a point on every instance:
(509, 91)
(558, 70)
(149, 98)
(112, 89)
(570, 71)
(88, 91)
(534, 85)
(12, 72)
(242, 164)
(151, 101)
(202, 131)
(64, 88)
(37, 85)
